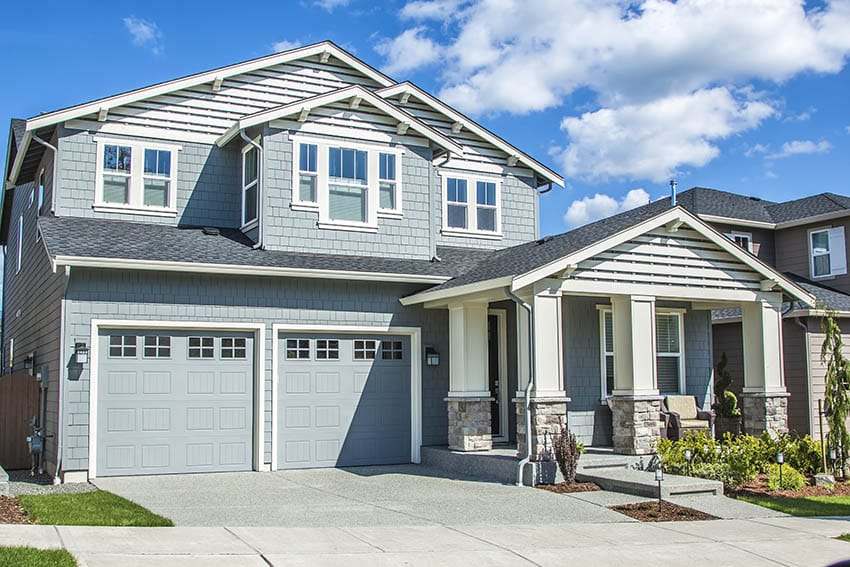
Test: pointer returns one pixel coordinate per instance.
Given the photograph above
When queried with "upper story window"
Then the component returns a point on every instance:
(20, 243)
(350, 185)
(742, 239)
(40, 191)
(250, 184)
(828, 252)
(471, 206)
(135, 177)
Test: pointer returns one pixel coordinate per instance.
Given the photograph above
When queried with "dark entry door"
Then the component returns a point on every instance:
(493, 371)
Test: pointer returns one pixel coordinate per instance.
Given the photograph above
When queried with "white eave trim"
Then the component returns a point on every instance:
(677, 213)
(346, 93)
(229, 269)
(776, 225)
(814, 313)
(737, 222)
(19, 158)
(486, 285)
(207, 77)
(458, 118)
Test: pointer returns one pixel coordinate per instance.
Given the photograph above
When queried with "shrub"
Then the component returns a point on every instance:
(716, 471)
(672, 453)
(805, 456)
(792, 479)
(567, 452)
(725, 402)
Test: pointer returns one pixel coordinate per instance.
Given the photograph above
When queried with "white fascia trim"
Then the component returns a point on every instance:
(817, 218)
(415, 334)
(778, 225)
(335, 96)
(737, 222)
(815, 313)
(19, 158)
(207, 77)
(472, 126)
(259, 376)
(476, 287)
(230, 269)
(677, 213)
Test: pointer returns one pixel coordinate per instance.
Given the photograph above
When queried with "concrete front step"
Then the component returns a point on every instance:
(642, 483)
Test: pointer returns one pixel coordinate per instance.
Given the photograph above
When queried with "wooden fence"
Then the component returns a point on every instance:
(18, 403)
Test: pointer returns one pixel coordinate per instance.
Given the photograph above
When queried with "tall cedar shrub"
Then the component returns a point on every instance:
(836, 399)
(725, 402)
(567, 452)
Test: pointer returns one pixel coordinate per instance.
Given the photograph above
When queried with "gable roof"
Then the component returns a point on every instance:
(337, 96)
(527, 263)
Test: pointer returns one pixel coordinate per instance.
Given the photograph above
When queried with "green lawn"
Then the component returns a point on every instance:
(811, 506)
(844, 537)
(31, 557)
(98, 508)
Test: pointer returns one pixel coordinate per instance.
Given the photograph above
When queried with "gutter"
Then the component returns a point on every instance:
(260, 183)
(529, 386)
(53, 181)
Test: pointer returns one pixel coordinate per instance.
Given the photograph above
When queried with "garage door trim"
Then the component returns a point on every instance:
(415, 336)
(259, 331)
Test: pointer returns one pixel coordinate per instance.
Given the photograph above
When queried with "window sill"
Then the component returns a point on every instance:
(471, 234)
(390, 214)
(351, 227)
(305, 207)
(149, 211)
(250, 225)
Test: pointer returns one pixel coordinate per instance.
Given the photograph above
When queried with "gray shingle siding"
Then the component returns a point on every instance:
(698, 357)
(143, 296)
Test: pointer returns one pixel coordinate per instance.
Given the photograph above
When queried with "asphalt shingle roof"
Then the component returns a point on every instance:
(95, 238)
(824, 295)
(704, 201)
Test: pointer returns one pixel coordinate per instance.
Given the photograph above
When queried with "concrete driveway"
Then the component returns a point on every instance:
(403, 495)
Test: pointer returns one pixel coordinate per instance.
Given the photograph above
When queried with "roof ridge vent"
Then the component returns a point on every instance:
(545, 239)
(210, 230)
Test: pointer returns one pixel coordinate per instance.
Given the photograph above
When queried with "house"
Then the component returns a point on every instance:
(805, 239)
(298, 262)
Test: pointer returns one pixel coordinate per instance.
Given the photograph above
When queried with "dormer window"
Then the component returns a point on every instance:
(471, 206)
(135, 177)
(742, 239)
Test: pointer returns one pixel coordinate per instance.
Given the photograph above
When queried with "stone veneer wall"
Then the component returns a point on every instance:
(547, 416)
(637, 423)
(469, 424)
(764, 412)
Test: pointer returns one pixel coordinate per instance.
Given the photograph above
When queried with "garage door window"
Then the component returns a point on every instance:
(391, 350)
(327, 349)
(233, 348)
(365, 350)
(297, 349)
(122, 346)
(157, 347)
(201, 347)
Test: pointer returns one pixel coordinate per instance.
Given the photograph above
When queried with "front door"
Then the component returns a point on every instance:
(493, 372)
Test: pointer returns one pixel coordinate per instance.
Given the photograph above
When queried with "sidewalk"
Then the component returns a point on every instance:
(753, 542)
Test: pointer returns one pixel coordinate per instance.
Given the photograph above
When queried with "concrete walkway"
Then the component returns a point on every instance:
(771, 541)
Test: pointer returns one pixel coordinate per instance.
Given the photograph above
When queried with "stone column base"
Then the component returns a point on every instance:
(764, 411)
(547, 416)
(469, 424)
(636, 422)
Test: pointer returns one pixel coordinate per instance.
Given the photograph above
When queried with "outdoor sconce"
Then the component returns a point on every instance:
(780, 458)
(29, 363)
(688, 456)
(81, 353)
(432, 357)
(659, 476)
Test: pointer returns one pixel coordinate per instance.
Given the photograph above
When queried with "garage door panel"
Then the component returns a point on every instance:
(353, 410)
(174, 414)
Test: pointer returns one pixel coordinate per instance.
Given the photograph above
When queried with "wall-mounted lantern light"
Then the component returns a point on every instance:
(81, 353)
(432, 357)
(29, 363)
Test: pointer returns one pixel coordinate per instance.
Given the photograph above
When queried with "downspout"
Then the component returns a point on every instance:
(529, 386)
(261, 181)
(53, 181)
(62, 375)
(432, 239)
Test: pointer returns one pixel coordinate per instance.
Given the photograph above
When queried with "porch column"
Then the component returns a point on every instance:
(548, 404)
(636, 403)
(764, 399)
(469, 389)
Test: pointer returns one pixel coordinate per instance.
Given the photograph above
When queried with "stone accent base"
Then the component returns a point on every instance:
(547, 416)
(469, 424)
(764, 412)
(637, 423)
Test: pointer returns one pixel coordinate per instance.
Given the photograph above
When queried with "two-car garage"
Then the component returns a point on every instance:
(182, 401)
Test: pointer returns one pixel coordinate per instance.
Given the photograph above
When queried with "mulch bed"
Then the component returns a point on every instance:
(570, 487)
(11, 512)
(759, 487)
(648, 512)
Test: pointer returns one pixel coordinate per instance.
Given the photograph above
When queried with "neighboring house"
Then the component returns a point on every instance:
(298, 262)
(805, 239)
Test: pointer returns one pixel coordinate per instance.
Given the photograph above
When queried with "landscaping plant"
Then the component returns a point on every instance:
(725, 402)
(792, 479)
(567, 452)
(836, 398)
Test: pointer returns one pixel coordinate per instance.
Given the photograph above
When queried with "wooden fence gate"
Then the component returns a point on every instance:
(18, 403)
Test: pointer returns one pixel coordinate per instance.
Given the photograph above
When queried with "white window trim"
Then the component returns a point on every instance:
(832, 272)
(681, 354)
(748, 235)
(255, 222)
(395, 213)
(471, 206)
(322, 204)
(19, 265)
(136, 189)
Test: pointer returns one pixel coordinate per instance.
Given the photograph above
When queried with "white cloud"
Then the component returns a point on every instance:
(650, 141)
(801, 117)
(441, 10)
(756, 149)
(144, 33)
(410, 50)
(798, 147)
(285, 45)
(589, 209)
(330, 5)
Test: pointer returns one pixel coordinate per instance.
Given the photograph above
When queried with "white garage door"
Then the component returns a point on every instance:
(174, 402)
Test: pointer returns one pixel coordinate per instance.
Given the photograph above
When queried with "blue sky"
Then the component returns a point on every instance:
(745, 95)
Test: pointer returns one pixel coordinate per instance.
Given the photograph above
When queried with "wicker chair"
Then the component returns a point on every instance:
(683, 414)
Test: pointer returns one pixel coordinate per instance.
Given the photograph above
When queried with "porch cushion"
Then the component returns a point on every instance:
(694, 424)
(685, 406)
